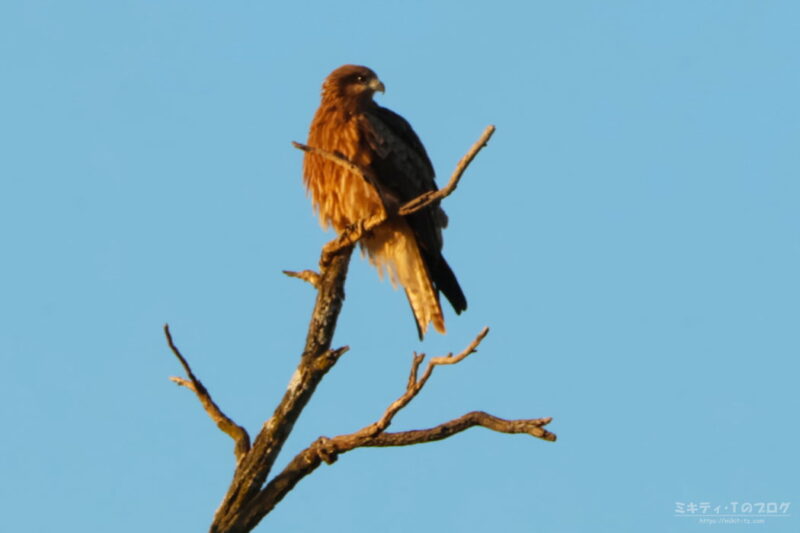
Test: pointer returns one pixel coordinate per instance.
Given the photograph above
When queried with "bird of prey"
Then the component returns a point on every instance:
(407, 248)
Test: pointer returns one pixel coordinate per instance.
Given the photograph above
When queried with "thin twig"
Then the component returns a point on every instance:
(338, 159)
(308, 276)
(428, 198)
(233, 430)
(354, 233)
(415, 385)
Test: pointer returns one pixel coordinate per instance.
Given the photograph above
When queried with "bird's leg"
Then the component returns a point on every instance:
(358, 230)
(362, 228)
(351, 235)
(328, 252)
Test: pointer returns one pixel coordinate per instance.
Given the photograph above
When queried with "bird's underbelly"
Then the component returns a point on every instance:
(343, 198)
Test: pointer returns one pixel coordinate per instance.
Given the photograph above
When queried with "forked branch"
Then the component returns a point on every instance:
(354, 233)
(231, 428)
(328, 449)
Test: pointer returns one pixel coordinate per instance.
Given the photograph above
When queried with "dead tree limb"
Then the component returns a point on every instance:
(531, 426)
(235, 431)
(353, 234)
(308, 276)
(434, 196)
(251, 495)
(328, 449)
(317, 359)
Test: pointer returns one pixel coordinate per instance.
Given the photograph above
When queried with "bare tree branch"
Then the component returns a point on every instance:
(327, 450)
(308, 276)
(339, 159)
(239, 435)
(415, 385)
(317, 359)
(354, 233)
(434, 196)
(532, 427)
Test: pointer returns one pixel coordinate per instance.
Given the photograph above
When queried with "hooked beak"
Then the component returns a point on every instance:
(377, 85)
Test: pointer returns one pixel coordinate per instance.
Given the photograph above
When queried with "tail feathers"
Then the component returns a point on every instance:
(420, 319)
(425, 304)
(445, 280)
(393, 249)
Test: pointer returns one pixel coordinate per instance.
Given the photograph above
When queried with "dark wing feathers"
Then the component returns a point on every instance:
(405, 171)
(445, 280)
(403, 130)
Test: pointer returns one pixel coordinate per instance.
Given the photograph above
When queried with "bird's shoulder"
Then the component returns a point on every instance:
(388, 132)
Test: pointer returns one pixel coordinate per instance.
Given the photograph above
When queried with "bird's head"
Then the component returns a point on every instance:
(352, 82)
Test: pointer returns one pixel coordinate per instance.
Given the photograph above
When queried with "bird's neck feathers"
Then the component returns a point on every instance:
(334, 98)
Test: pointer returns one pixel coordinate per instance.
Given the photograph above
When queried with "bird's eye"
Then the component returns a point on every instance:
(360, 78)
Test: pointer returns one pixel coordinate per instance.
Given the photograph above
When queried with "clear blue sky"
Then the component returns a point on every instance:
(631, 235)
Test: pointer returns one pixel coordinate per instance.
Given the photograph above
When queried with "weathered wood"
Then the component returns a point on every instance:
(317, 359)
